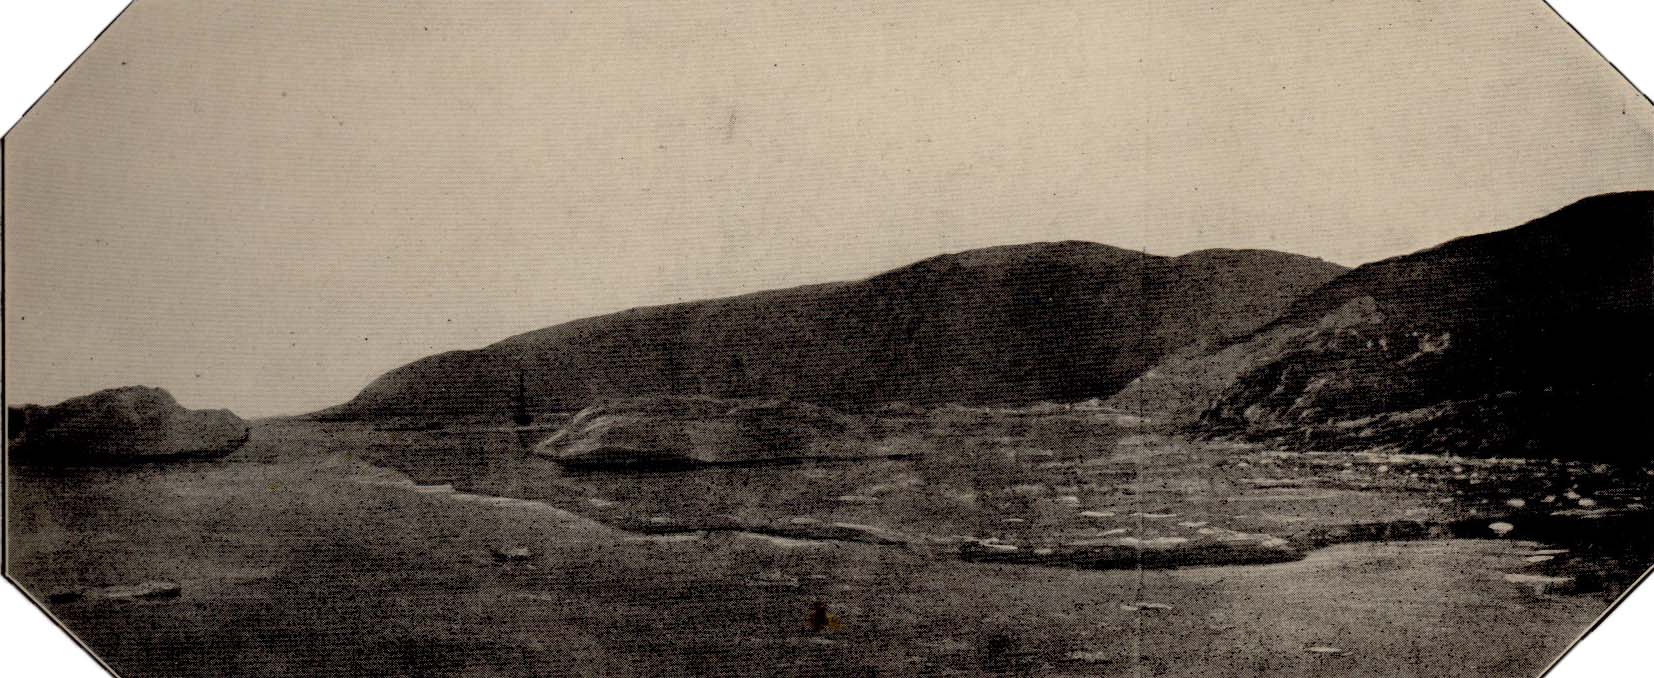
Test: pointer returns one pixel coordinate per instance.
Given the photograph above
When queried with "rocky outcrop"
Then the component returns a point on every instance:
(1532, 340)
(1057, 322)
(673, 432)
(120, 425)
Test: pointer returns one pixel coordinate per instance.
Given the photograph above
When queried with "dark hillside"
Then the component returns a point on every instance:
(1022, 323)
(1529, 340)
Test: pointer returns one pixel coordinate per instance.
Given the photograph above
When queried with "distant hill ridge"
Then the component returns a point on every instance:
(1020, 323)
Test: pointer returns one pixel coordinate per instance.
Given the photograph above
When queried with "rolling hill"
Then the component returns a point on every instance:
(1058, 321)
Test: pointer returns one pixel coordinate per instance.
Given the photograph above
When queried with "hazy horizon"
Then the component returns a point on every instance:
(265, 207)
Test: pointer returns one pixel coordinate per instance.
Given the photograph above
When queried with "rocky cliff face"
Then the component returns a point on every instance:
(1530, 340)
(1045, 321)
(128, 424)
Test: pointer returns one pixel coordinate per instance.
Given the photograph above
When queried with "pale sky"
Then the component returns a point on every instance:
(263, 206)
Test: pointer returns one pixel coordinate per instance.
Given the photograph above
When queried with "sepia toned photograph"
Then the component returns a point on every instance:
(830, 339)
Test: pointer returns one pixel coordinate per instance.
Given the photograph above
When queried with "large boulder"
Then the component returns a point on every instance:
(127, 424)
(662, 432)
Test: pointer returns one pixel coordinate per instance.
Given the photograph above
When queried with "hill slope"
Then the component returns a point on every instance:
(1532, 339)
(1043, 321)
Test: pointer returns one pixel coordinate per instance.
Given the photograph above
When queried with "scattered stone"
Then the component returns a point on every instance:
(537, 597)
(1153, 516)
(512, 554)
(1515, 503)
(1068, 500)
(1501, 528)
(866, 534)
(1277, 483)
(1586, 502)
(1542, 584)
(1193, 523)
(1152, 542)
(1143, 605)
(149, 590)
(775, 578)
(783, 542)
(1097, 514)
(1585, 512)
(1537, 559)
(1029, 489)
(1324, 650)
(669, 538)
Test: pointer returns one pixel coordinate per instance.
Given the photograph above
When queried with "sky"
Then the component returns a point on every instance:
(263, 206)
